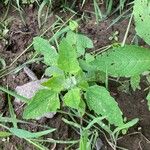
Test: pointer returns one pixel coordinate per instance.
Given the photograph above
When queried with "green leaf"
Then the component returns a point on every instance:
(56, 83)
(126, 61)
(83, 42)
(89, 58)
(82, 80)
(86, 66)
(73, 98)
(148, 100)
(80, 41)
(4, 134)
(141, 13)
(28, 135)
(67, 60)
(99, 100)
(73, 25)
(42, 46)
(95, 120)
(126, 125)
(53, 71)
(70, 82)
(84, 141)
(82, 107)
(135, 82)
(43, 102)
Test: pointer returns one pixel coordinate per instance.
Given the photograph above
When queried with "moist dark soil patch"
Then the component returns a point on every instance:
(133, 104)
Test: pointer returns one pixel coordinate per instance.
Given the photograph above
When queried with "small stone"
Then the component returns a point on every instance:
(29, 89)
(99, 144)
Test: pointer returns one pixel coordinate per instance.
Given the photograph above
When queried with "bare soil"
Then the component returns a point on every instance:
(133, 104)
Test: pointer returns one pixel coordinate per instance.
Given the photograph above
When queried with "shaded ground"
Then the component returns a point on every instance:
(132, 104)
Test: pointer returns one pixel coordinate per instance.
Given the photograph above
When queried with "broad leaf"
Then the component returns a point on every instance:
(28, 135)
(99, 100)
(56, 83)
(43, 102)
(72, 98)
(135, 82)
(126, 61)
(67, 60)
(42, 46)
(141, 13)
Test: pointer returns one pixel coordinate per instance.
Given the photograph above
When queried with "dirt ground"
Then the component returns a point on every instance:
(133, 104)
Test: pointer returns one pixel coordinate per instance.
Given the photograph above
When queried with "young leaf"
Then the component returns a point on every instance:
(73, 25)
(28, 135)
(56, 83)
(148, 100)
(82, 107)
(67, 60)
(89, 58)
(53, 71)
(42, 46)
(4, 134)
(99, 100)
(141, 13)
(80, 41)
(135, 81)
(70, 82)
(43, 102)
(73, 98)
(126, 125)
(82, 80)
(83, 42)
(126, 61)
(84, 141)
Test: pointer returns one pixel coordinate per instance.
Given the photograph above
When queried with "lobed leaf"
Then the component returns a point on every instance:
(126, 61)
(99, 100)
